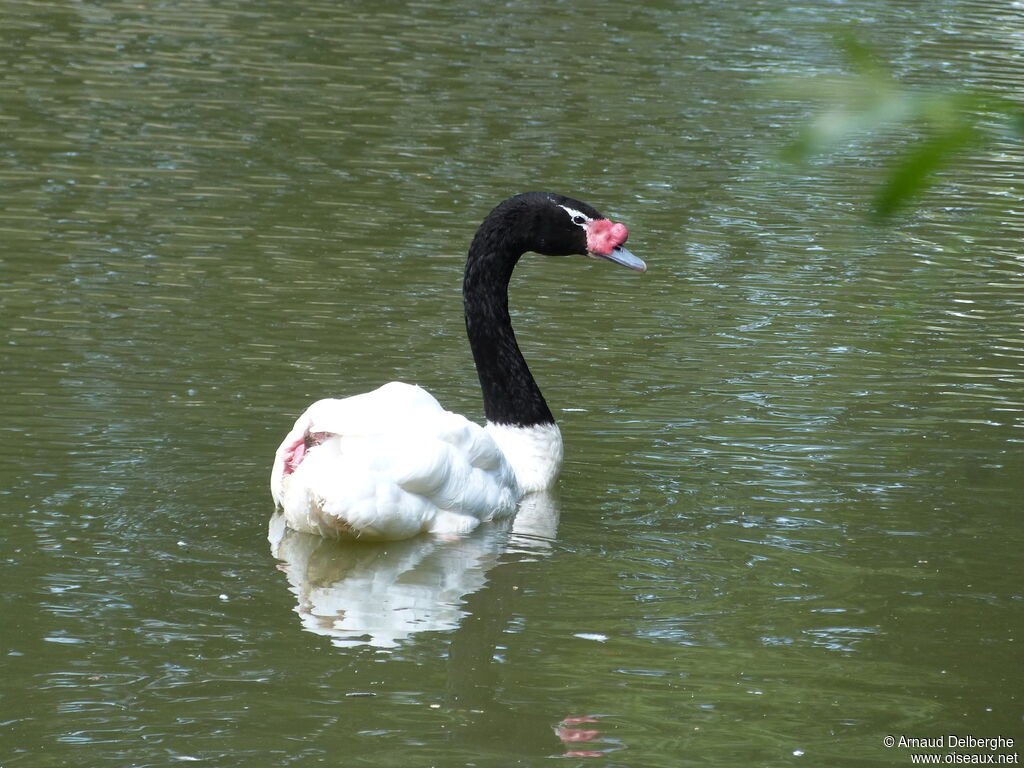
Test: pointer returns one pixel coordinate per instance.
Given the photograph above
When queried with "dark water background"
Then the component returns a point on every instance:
(789, 520)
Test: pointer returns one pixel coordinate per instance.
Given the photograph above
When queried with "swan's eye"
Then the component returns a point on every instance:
(577, 217)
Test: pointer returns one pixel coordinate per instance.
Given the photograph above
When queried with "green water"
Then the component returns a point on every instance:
(789, 519)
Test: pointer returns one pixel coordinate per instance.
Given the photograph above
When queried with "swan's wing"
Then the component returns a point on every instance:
(389, 464)
(379, 412)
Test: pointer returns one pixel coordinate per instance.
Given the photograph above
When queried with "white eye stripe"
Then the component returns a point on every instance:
(577, 217)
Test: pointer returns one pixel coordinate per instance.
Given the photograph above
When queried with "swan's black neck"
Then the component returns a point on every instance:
(511, 395)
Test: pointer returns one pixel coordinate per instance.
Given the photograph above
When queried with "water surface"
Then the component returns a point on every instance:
(788, 523)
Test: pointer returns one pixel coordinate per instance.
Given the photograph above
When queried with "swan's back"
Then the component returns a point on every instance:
(389, 464)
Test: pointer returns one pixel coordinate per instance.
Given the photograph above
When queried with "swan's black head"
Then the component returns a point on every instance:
(555, 225)
(545, 223)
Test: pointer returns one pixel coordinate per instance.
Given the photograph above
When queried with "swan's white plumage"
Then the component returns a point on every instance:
(392, 463)
(535, 453)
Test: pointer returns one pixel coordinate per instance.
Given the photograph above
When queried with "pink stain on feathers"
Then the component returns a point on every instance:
(296, 451)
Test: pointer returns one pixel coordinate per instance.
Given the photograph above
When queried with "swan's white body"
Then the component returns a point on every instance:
(535, 453)
(392, 463)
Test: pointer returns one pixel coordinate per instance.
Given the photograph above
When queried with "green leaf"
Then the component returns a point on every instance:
(916, 171)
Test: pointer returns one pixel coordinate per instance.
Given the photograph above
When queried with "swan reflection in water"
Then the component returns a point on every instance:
(381, 594)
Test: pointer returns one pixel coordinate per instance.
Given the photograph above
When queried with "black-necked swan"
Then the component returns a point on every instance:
(392, 463)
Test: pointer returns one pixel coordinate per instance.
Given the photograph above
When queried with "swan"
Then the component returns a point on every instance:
(392, 463)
